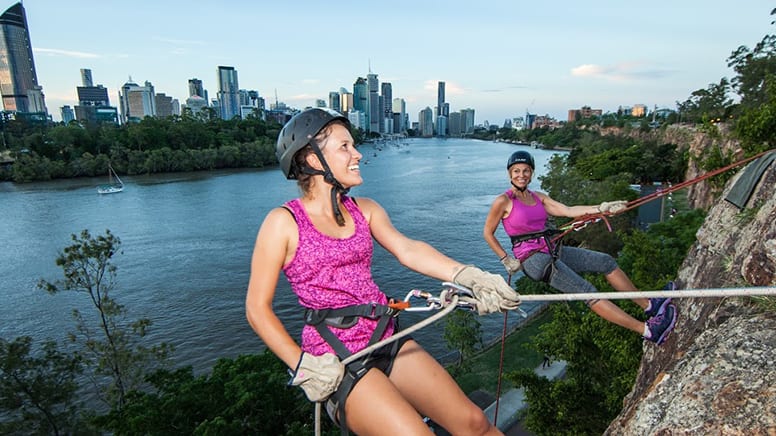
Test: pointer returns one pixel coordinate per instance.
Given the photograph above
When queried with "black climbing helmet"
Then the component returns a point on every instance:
(298, 132)
(521, 157)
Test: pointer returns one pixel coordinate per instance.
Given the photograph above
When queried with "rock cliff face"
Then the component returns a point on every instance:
(716, 374)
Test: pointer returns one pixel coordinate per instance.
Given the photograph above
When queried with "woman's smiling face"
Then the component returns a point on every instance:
(520, 174)
(340, 152)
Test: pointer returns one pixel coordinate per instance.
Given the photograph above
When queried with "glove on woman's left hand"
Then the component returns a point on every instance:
(612, 206)
(511, 264)
(491, 291)
(318, 376)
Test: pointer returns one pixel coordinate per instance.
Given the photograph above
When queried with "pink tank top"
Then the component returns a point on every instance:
(524, 219)
(332, 273)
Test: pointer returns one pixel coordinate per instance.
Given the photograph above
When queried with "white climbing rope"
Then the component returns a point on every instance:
(452, 304)
(678, 293)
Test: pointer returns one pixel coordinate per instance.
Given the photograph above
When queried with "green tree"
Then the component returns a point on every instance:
(113, 347)
(755, 83)
(712, 103)
(463, 333)
(753, 67)
(38, 393)
(247, 395)
(756, 126)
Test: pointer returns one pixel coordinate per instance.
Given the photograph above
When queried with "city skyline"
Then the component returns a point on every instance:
(499, 59)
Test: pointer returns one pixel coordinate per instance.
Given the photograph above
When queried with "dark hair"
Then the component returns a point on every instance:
(303, 180)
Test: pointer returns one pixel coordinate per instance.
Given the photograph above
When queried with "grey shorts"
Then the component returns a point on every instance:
(571, 262)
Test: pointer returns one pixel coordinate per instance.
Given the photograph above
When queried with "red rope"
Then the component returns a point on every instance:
(501, 361)
(584, 220)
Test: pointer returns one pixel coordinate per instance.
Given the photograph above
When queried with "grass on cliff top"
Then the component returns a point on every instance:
(484, 371)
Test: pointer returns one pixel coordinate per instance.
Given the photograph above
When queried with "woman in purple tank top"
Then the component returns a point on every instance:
(523, 212)
(322, 242)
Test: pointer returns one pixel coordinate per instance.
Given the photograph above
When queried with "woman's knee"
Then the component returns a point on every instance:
(476, 423)
(608, 264)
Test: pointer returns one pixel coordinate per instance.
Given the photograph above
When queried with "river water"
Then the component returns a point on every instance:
(187, 241)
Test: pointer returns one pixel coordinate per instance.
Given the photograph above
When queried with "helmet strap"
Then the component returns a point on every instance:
(328, 177)
(519, 188)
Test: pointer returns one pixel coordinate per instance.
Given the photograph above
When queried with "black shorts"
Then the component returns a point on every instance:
(381, 359)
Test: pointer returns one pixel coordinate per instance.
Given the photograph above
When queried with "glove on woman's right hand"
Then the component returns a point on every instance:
(511, 264)
(318, 376)
(491, 291)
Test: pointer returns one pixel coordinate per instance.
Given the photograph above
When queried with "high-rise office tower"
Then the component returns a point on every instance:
(67, 114)
(454, 124)
(334, 101)
(228, 92)
(360, 96)
(137, 102)
(426, 122)
(467, 120)
(86, 77)
(440, 98)
(399, 109)
(374, 112)
(386, 91)
(163, 105)
(17, 67)
(142, 101)
(195, 88)
(346, 101)
(93, 102)
(124, 99)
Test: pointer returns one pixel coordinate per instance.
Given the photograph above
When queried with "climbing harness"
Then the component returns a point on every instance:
(446, 302)
(553, 245)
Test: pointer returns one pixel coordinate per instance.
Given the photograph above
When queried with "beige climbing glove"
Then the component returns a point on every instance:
(612, 206)
(511, 264)
(318, 376)
(491, 291)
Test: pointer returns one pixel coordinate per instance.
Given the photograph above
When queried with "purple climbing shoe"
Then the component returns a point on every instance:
(660, 325)
(658, 305)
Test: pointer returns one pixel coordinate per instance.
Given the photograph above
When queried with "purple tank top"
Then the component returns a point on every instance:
(330, 273)
(524, 219)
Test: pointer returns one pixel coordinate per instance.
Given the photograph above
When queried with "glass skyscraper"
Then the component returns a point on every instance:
(228, 92)
(17, 67)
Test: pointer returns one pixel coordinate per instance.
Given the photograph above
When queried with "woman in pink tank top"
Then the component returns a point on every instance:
(322, 242)
(524, 213)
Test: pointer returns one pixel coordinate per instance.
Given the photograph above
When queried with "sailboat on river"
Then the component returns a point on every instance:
(114, 186)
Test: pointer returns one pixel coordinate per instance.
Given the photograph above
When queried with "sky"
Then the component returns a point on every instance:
(500, 58)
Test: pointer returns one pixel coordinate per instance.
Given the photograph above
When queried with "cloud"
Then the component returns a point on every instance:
(65, 53)
(626, 71)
